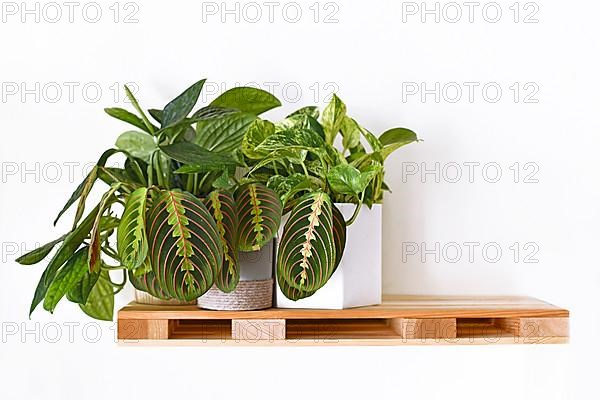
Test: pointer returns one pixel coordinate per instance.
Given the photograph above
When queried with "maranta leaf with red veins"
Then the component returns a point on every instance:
(184, 244)
(222, 207)
(339, 235)
(290, 292)
(132, 243)
(339, 241)
(259, 210)
(146, 281)
(306, 256)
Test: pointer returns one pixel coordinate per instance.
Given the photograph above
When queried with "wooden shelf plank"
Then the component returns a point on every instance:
(391, 307)
(398, 320)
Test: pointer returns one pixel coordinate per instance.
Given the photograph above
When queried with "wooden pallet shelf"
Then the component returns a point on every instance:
(399, 320)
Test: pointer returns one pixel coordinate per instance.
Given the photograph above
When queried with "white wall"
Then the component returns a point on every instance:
(374, 55)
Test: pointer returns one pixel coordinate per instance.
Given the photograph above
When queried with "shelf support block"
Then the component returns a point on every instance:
(254, 330)
(424, 328)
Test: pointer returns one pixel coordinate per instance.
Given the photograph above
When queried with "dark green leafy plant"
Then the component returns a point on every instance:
(198, 186)
(173, 207)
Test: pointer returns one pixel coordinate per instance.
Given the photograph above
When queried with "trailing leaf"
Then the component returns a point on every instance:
(82, 191)
(66, 279)
(82, 289)
(247, 99)
(101, 301)
(65, 251)
(95, 243)
(222, 207)
(37, 255)
(259, 210)
(184, 243)
(306, 255)
(132, 243)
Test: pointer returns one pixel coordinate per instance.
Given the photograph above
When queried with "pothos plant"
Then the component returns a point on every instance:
(314, 160)
(177, 212)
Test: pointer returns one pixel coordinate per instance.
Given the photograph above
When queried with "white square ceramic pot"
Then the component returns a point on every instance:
(357, 280)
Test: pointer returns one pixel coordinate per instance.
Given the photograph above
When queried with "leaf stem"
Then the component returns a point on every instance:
(110, 252)
(357, 209)
(113, 267)
(151, 170)
(189, 183)
(121, 285)
(304, 169)
(202, 182)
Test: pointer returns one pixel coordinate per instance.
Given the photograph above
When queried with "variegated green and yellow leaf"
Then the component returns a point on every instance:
(259, 210)
(222, 207)
(306, 254)
(132, 243)
(184, 244)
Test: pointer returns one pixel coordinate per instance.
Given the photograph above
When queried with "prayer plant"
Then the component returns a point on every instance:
(198, 186)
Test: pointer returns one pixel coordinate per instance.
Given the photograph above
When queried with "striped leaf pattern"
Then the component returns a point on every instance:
(132, 243)
(339, 235)
(144, 279)
(259, 210)
(290, 292)
(339, 242)
(222, 207)
(185, 247)
(306, 255)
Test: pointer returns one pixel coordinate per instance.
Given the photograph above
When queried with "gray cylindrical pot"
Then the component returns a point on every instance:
(255, 288)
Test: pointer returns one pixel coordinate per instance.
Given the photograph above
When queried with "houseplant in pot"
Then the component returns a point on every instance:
(327, 169)
(173, 216)
(197, 187)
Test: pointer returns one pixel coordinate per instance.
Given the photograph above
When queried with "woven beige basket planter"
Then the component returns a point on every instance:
(145, 298)
(248, 295)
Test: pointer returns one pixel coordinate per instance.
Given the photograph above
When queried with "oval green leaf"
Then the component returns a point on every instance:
(132, 243)
(247, 99)
(306, 254)
(222, 207)
(184, 243)
(259, 210)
